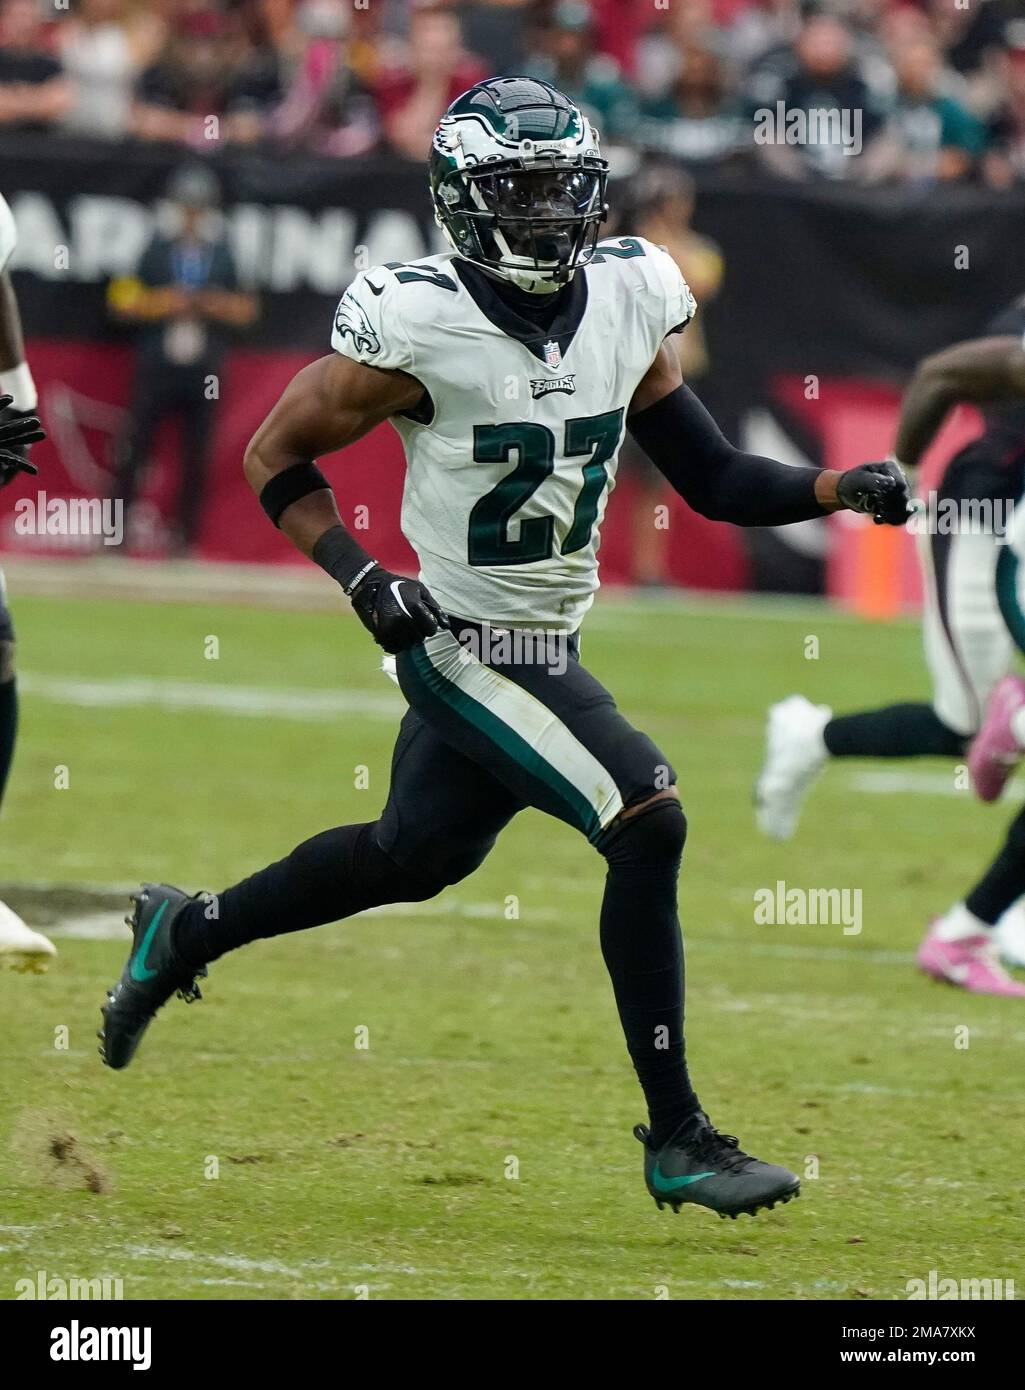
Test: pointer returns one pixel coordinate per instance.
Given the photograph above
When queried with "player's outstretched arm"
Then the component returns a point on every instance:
(725, 484)
(329, 404)
(980, 371)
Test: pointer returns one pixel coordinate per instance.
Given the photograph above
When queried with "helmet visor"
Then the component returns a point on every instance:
(542, 214)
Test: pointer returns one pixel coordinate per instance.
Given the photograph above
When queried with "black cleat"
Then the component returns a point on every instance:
(152, 973)
(709, 1169)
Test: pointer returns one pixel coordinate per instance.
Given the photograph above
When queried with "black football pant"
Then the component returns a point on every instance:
(489, 732)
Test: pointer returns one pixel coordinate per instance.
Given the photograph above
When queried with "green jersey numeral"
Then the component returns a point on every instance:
(430, 276)
(628, 248)
(594, 437)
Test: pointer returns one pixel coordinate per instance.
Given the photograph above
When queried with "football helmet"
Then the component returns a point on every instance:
(518, 182)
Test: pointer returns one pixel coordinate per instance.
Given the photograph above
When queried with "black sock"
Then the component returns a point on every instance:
(1003, 883)
(897, 731)
(8, 729)
(643, 951)
(331, 876)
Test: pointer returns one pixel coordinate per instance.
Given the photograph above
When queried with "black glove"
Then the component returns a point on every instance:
(399, 612)
(880, 489)
(17, 432)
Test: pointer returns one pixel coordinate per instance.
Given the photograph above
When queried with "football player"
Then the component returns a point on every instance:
(972, 622)
(510, 365)
(20, 947)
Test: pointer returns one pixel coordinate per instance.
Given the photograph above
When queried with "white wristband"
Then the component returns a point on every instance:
(18, 383)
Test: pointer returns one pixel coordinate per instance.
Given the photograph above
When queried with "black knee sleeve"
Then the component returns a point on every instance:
(652, 839)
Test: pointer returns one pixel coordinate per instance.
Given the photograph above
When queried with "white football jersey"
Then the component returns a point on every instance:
(8, 235)
(509, 465)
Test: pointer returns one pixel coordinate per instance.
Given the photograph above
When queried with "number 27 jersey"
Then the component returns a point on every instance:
(512, 453)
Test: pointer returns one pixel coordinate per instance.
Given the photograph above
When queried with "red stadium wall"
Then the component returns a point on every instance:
(83, 389)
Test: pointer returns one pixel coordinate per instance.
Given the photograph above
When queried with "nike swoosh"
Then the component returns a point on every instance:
(138, 969)
(664, 1184)
(397, 595)
(374, 289)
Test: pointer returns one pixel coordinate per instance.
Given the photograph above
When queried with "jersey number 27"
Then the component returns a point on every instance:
(594, 437)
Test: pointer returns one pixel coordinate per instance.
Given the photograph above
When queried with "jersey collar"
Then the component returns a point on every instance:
(488, 299)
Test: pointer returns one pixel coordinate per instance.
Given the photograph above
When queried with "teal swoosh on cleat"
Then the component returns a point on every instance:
(138, 970)
(664, 1184)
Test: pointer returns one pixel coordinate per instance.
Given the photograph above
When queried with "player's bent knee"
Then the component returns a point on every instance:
(6, 661)
(653, 838)
(439, 866)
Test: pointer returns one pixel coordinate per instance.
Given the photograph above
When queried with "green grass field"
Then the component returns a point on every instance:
(493, 1041)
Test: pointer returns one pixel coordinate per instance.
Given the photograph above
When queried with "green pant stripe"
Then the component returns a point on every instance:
(1008, 567)
(581, 812)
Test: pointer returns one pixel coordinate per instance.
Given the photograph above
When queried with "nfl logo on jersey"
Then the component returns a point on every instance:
(553, 354)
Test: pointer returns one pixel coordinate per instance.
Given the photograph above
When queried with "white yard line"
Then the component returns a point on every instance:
(894, 782)
(251, 701)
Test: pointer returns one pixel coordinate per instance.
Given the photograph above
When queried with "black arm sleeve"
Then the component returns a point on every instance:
(717, 480)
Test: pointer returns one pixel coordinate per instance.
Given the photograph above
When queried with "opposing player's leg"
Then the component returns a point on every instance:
(967, 649)
(21, 948)
(963, 946)
(442, 817)
(551, 733)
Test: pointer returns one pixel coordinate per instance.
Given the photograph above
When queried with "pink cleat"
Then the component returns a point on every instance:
(973, 962)
(995, 752)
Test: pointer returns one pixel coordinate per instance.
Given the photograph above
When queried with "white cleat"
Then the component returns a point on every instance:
(794, 755)
(1009, 934)
(21, 948)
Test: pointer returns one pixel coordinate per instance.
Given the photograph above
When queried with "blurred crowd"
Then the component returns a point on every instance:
(938, 85)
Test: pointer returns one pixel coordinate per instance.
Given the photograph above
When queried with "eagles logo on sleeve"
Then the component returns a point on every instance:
(351, 321)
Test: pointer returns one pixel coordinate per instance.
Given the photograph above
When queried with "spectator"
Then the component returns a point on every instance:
(103, 54)
(699, 119)
(929, 136)
(326, 108)
(205, 86)
(763, 28)
(569, 61)
(33, 90)
(184, 298)
(412, 97)
(968, 35)
(822, 76)
(1004, 163)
